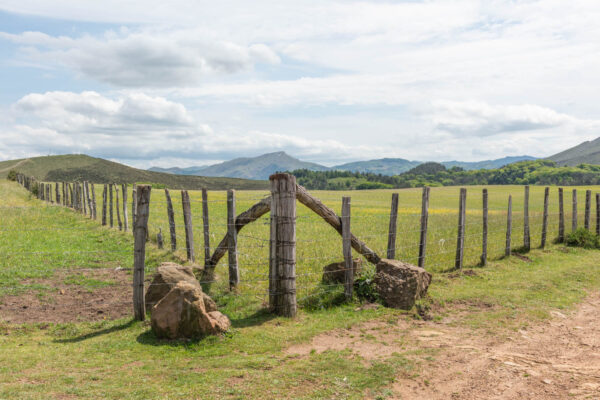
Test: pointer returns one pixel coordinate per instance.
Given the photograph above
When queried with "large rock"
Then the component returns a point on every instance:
(182, 314)
(167, 276)
(400, 284)
(336, 272)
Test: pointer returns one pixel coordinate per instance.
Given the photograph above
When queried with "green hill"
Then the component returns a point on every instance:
(584, 153)
(75, 167)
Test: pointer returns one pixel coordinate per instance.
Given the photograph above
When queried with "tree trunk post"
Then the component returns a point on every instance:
(205, 225)
(484, 231)
(526, 232)
(171, 216)
(187, 221)
(391, 247)
(561, 216)
(507, 250)
(424, 224)
(545, 217)
(460, 240)
(347, 248)
(234, 273)
(139, 254)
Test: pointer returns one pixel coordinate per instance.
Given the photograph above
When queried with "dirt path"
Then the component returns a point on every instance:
(18, 164)
(558, 359)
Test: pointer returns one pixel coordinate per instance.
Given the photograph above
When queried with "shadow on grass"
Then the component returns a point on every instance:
(101, 332)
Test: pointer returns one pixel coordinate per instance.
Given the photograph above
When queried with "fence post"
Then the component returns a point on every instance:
(526, 234)
(56, 193)
(134, 203)
(64, 195)
(89, 198)
(104, 205)
(71, 187)
(391, 247)
(460, 240)
(118, 208)
(574, 216)
(93, 201)
(273, 283)
(234, 273)
(561, 216)
(84, 197)
(424, 223)
(187, 221)
(171, 216)
(125, 216)
(507, 250)
(159, 238)
(139, 253)
(110, 204)
(484, 239)
(588, 206)
(205, 224)
(598, 214)
(347, 248)
(545, 217)
(283, 192)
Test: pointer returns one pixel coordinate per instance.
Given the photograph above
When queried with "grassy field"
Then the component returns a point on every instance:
(122, 359)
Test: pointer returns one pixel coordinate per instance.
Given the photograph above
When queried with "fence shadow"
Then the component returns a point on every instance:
(101, 332)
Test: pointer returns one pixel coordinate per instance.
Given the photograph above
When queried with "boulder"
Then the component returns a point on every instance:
(167, 276)
(182, 313)
(336, 272)
(400, 284)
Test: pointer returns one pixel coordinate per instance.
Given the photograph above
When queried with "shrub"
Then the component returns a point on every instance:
(583, 238)
(364, 287)
(12, 175)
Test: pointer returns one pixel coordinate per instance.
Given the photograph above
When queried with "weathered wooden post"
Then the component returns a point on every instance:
(234, 273)
(205, 225)
(574, 215)
(134, 203)
(526, 232)
(507, 250)
(139, 253)
(545, 217)
(84, 197)
(347, 248)
(460, 240)
(588, 208)
(93, 201)
(187, 221)
(118, 208)
(391, 247)
(159, 238)
(110, 204)
(424, 223)
(598, 214)
(89, 198)
(48, 193)
(104, 205)
(171, 216)
(283, 193)
(484, 239)
(56, 193)
(72, 194)
(561, 216)
(125, 216)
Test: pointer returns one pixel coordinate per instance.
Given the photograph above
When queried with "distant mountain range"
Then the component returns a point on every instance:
(585, 153)
(262, 166)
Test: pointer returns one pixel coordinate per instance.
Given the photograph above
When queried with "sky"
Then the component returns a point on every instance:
(193, 82)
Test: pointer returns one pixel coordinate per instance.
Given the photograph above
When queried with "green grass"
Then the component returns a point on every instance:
(122, 359)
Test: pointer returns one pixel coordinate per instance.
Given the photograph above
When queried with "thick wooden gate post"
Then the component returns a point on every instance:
(187, 222)
(140, 231)
(507, 249)
(234, 272)
(283, 192)
(347, 248)
(484, 239)
(171, 216)
(125, 216)
(588, 207)
(460, 237)
(574, 215)
(545, 217)
(526, 234)
(206, 226)
(561, 216)
(424, 223)
(104, 205)
(391, 247)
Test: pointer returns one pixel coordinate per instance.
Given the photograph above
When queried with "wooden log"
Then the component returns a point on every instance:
(561, 216)
(125, 216)
(507, 250)
(484, 239)
(391, 247)
(118, 208)
(205, 225)
(187, 222)
(110, 204)
(347, 248)
(574, 215)
(588, 209)
(171, 216)
(424, 223)
(526, 232)
(139, 253)
(283, 188)
(460, 237)
(94, 201)
(545, 217)
(104, 205)
(234, 273)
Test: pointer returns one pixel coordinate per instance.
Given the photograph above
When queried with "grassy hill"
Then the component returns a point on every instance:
(73, 167)
(585, 153)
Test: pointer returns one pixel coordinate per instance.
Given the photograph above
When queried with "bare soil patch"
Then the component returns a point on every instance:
(72, 302)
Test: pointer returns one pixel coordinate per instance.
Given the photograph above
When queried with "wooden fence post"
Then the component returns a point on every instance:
(125, 216)
(72, 194)
(391, 247)
(588, 207)
(139, 253)
(171, 216)
(104, 205)
(187, 221)
(110, 204)
(484, 239)
(283, 192)
(598, 214)
(118, 208)
(574, 215)
(526, 232)
(545, 217)
(561, 216)
(159, 239)
(134, 203)
(205, 225)
(93, 201)
(273, 283)
(84, 197)
(234, 273)
(347, 248)
(57, 193)
(460, 240)
(424, 224)
(507, 250)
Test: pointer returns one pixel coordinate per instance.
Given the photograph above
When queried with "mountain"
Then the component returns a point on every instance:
(487, 164)
(584, 153)
(250, 167)
(383, 166)
(76, 167)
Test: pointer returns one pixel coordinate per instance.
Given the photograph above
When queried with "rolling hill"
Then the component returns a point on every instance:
(383, 166)
(75, 167)
(584, 153)
(487, 164)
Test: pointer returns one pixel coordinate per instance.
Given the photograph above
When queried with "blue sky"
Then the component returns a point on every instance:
(191, 83)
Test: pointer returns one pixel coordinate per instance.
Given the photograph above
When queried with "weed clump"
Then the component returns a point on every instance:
(583, 238)
(364, 287)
